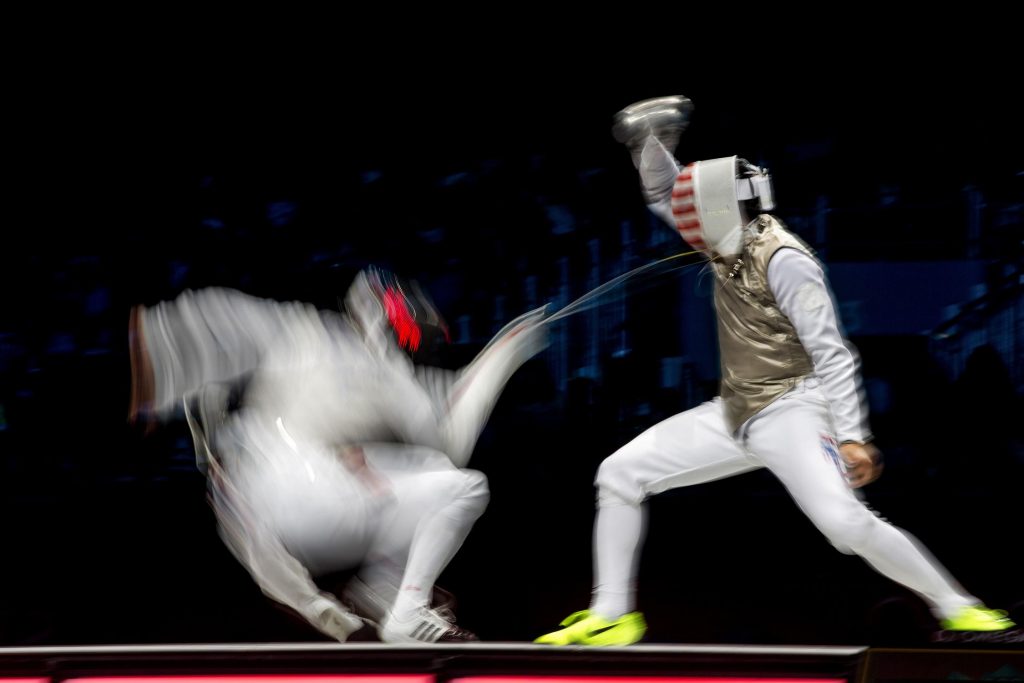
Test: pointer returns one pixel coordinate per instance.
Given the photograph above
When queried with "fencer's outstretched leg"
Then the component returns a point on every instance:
(788, 437)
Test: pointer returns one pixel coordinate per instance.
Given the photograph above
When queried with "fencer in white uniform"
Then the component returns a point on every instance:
(790, 396)
(342, 455)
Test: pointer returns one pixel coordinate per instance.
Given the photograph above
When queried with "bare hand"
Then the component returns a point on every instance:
(863, 463)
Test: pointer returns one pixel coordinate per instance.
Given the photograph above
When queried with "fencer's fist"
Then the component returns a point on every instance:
(331, 618)
(523, 338)
(863, 463)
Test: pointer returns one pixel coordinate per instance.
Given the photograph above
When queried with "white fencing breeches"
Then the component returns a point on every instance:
(794, 438)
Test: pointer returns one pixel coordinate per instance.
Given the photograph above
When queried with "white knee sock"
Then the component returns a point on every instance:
(436, 541)
(618, 535)
(902, 558)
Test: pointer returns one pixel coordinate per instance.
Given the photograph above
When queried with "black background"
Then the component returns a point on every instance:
(120, 143)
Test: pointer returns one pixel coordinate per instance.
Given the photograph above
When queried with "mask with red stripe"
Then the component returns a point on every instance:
(391, 311)
(714, 200)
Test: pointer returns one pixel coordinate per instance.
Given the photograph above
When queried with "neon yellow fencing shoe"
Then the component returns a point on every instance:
(584, 628)
(978, 618)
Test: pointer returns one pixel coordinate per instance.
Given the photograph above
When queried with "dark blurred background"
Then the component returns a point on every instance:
(280, 163)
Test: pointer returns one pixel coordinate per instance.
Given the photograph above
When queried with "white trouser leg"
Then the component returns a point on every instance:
(794, 438)
(688, 448)
(302, 491)
(619, 530)
(435, 509)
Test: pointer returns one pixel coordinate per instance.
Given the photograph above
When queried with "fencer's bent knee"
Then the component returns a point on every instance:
(616, 484)
(474, 493)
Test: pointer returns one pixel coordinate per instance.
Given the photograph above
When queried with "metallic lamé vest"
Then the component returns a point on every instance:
(761, 356)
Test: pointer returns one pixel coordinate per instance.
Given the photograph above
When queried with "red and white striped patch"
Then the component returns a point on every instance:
(684, 208)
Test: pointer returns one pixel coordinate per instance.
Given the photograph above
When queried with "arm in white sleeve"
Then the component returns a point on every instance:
(216, 335)
(278, 574)
(470, 395)
(798, 283)
(658, 173)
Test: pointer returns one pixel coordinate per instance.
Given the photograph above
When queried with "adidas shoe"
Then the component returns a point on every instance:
(427, 626)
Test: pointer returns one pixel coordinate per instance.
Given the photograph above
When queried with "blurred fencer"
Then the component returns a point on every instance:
(790, 397)
(342, 453)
